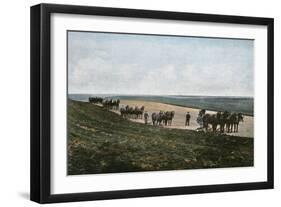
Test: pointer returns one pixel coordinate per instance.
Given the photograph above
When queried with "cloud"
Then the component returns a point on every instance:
(142, 64)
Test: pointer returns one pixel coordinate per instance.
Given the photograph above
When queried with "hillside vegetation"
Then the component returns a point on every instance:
(100, 141)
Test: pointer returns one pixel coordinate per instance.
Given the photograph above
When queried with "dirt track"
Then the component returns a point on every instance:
(246, 128)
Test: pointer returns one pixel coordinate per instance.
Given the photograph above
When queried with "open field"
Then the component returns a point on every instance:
(244, 105)
(245, 128)
(100, 141)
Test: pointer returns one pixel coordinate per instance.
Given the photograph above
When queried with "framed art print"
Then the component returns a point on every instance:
(133, 103)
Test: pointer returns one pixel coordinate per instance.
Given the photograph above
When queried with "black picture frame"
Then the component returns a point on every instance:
(41, 102)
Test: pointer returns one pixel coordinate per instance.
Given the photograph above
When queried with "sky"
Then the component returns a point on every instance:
(114, 63)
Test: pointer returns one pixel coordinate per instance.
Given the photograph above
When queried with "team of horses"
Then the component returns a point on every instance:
(96, 100)
(132, 112)
(109, 104)
(165, 117)
(157, 118)
(221, 121)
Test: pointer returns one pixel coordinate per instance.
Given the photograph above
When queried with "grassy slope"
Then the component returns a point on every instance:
(100, 141)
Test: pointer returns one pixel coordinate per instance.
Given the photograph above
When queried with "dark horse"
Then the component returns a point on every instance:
(168, 117)
(232, 122)
(209, 119)
(157, 118)
(236, 123)
(212, 120)
(215, 120)
(139, 112)
(222, 120)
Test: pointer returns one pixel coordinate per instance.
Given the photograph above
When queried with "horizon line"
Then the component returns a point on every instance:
(120, 94)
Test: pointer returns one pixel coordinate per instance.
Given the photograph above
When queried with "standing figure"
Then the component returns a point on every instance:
(146, 116)
(199, 119)
(187, 119)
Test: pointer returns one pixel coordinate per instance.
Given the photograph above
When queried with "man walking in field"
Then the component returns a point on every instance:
(187, 119)
(146, 116)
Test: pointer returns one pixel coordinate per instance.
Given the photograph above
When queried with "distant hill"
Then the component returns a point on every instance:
(100, 141)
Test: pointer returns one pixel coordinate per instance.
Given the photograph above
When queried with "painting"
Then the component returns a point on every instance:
(130, 103)
(150, 102)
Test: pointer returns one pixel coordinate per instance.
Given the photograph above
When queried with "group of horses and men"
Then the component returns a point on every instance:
(139, 113)
(220, 121)
(132, 112)
(165, 117)
(107, 103)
